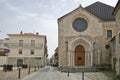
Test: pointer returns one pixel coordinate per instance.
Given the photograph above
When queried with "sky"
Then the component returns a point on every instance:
(31, 16)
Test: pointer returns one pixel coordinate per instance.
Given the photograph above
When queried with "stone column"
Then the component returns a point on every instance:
(119, 65)
(98, 57)
(69, 58)
(91, 58)
(72, 58)
(86, 59)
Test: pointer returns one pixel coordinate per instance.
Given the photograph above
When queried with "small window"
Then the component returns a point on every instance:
(32, 51)
(32, 43)
(109, 33)
(20, 51)
(20, 42)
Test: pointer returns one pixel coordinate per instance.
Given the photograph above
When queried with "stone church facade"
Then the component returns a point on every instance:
(83, 35)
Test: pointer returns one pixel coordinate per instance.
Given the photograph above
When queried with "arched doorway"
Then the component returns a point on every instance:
(79, 55)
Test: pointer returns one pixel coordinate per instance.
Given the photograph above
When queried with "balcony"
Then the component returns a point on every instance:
(24, 45)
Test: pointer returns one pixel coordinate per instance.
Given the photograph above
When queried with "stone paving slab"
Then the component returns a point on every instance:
(54, 76)
(50, 74)
(98, 76)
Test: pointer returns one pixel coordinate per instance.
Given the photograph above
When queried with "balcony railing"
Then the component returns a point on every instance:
(24, 45)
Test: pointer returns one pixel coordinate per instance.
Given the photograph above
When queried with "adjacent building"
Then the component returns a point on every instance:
(116, 13)
(54, 58)
(83, 36)
(26, 48)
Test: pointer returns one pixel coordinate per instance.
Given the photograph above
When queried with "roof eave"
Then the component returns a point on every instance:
(117, 7)
(70, 12)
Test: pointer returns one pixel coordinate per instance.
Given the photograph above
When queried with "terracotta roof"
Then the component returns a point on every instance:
(101, 11)
(25, 34)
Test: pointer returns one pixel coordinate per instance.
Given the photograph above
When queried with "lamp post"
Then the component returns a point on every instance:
(41, 62)
(93, 53)
(66, 42)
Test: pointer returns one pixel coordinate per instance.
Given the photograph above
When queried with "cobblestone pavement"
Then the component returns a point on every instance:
(98, 76)
(51, 73)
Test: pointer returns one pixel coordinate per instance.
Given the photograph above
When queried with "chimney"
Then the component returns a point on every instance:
(37, 33)
(21, 32)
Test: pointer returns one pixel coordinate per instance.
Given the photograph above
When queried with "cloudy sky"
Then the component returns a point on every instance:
(38, 16)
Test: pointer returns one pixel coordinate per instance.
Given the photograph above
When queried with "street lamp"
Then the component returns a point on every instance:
(66, 42)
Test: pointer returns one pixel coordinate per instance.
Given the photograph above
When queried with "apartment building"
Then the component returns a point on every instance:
(26, 48)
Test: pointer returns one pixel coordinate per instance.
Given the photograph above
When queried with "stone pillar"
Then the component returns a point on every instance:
(98, 57)
(69, 58)
(72, 59)
(86, 59)
(119, 65)
(91, 58)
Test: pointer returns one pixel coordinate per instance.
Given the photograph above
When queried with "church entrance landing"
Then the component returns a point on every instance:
(79, 56)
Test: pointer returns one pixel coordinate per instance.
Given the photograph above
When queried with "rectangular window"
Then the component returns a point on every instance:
(20, 51)
(20, 42)
(109, 33)
(32, 43)
(32, 51)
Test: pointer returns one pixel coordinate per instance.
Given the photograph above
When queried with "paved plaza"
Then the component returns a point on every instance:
(13, 75)
(51, 73)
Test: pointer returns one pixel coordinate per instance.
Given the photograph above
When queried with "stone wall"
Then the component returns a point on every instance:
(118, 42)
(33, 61)
(93, 38)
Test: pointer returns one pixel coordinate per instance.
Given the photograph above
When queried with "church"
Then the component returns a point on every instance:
(83, 36)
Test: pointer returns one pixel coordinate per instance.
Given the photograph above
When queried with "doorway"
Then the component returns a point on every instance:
(79, 55)
(19, 62)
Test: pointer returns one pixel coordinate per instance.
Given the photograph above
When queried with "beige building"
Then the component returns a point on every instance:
(83, 35)
(117, 38)
(27, 48)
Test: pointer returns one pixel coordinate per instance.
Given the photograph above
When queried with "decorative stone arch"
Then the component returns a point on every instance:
(88, 51)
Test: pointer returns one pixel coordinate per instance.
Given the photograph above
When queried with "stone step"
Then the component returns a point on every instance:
(79, 69)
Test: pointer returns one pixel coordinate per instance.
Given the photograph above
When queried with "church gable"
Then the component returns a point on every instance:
(78, 12)
(80, 21)
(98, 10)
